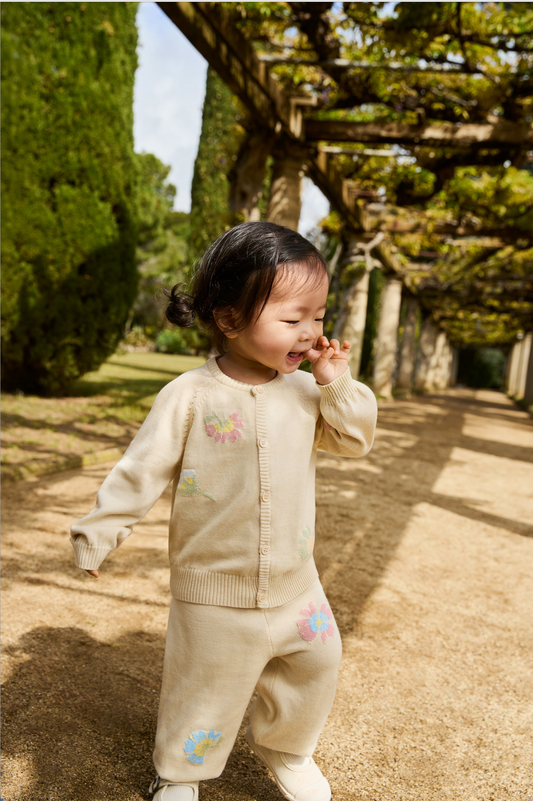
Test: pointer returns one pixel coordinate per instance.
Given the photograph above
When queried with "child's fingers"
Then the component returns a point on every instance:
(92, 573)
(346, 345)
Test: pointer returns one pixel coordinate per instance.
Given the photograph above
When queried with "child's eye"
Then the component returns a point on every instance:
(292, 322)
(319, 320)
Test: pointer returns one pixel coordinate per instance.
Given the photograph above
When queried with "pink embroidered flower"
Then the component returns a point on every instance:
(314, 623)
(222, 430)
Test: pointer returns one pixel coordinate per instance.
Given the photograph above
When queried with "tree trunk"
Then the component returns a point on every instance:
(407, 351)
(387, 338)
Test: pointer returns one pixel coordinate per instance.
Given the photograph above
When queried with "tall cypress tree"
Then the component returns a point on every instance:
(68, 183)
(219, 144)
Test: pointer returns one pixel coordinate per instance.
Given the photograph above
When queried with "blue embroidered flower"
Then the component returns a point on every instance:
(188, 484)
(199, 743)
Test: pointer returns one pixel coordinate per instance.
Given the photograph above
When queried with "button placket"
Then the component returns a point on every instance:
(264, 491)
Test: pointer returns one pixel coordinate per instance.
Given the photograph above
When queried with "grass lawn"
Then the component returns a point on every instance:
(104, 411)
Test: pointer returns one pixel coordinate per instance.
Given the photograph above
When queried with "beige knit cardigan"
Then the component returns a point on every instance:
(242, 462)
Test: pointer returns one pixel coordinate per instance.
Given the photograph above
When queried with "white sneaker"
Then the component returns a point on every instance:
(175, 792)
(298, 778)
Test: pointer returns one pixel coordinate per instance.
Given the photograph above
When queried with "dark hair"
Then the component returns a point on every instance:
(238, 271)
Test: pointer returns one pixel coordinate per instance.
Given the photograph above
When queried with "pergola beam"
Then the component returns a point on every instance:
(502, 135)
(346, 63)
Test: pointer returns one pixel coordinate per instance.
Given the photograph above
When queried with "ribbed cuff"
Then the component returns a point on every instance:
(341, 389)
(88, 558)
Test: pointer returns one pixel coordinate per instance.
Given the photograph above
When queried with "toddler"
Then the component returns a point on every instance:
(238, 438)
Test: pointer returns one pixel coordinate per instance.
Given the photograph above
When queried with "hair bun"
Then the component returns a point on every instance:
(180, 309)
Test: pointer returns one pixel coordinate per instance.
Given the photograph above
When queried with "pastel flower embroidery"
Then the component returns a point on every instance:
(188, 484)
(222, 430)
(306, 543)
(314, 623)
(199, 743)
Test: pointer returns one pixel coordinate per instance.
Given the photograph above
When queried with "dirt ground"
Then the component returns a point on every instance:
(425, 548)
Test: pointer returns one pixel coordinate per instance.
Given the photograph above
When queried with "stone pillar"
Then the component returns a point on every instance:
(454, 367)
(521, 377)
(248, 174)
(387, 338)
(285, 203)
(407, 350)
(514, 364)
(528, 386)
(426, 349)
(440, 365)
(351, 321)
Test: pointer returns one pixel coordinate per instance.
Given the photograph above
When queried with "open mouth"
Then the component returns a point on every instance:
(293, 356)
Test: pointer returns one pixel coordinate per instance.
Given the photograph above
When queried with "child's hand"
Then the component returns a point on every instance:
(92, 573)
(328, 359)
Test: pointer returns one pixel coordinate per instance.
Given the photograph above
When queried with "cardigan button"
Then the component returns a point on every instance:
(264, 549)
(265, 497)
(261, 597)
(259, 390)
(263, 443)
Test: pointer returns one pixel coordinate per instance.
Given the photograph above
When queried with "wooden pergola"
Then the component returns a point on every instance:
(285, 126)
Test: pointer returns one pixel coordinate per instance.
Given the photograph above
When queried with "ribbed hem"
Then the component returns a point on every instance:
(340, 390)
(222, 589)
(89, 558)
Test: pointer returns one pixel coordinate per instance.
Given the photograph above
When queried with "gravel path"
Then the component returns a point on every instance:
(425, 548)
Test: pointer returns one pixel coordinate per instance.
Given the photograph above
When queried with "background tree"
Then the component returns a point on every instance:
(220, 139)
(68, 185)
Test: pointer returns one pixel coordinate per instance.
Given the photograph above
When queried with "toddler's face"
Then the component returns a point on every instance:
(289, 325)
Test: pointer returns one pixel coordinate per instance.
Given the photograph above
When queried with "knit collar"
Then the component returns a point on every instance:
(217, 373)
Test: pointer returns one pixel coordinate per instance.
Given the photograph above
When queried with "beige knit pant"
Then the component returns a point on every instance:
(216, 656)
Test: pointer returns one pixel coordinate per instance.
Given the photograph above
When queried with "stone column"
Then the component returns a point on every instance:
(285, 203)
(387, 338)
(426, 350)
(407, 350)
(521, 377)
(454, 367)
(351, 321)
(528, 386)
(440, 365)
(514, 364)
(248, 174)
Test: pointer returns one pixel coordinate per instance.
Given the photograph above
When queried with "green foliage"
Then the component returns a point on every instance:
(155, 197)
(217, 151)
(163, 260)
(172, 342)
(68, 183)
(162, 252)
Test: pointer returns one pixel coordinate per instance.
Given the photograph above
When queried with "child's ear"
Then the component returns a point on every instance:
(225, 321)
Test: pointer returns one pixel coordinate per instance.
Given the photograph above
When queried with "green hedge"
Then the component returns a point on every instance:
(68, 185)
